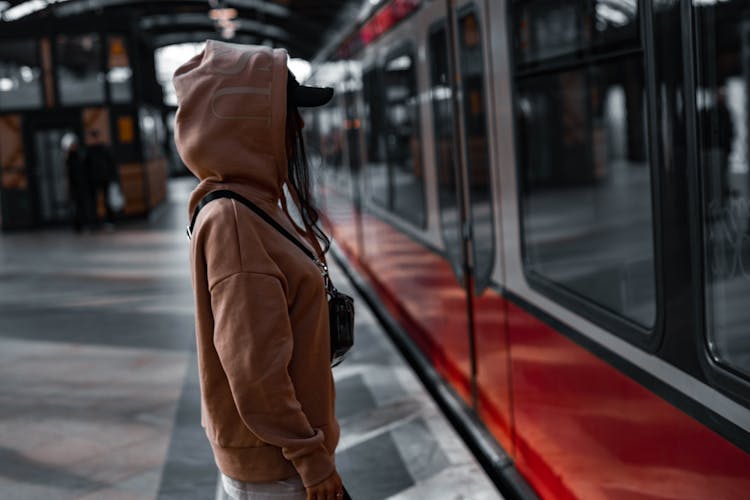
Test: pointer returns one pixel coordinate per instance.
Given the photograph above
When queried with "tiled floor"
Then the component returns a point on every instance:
(99, 396)
(395, 443)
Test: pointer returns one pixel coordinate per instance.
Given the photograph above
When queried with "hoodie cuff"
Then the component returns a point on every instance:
(314, 467)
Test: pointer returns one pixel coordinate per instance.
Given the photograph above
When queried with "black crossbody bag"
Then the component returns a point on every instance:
(340, 305)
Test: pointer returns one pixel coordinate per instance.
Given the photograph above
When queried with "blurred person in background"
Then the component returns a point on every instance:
(102, 171)
(261, 307)
(718, 139)
(79, 183)
(725, 141)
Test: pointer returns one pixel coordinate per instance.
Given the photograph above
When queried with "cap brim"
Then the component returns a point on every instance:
(310, 97)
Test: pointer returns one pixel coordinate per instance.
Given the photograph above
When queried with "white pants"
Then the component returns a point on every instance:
(288, 489)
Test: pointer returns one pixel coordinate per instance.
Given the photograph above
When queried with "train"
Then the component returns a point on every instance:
(551, 198)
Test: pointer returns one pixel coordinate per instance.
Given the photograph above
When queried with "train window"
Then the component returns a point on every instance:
(373, 114)
(586, 183)
(403, 147)
(20, 75)
(471, 64)
(548, 29)
(442, 124)
(377, 170)
(723, 32)
(80, 78)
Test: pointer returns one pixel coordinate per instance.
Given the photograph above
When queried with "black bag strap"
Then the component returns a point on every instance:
(225, 193)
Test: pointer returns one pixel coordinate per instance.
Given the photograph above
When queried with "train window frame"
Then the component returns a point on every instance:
(409, 47)
(648, 338)
(718, 373)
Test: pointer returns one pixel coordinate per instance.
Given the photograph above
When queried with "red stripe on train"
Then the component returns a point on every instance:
(576, 426)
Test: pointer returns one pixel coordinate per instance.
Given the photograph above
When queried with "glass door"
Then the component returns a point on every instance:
(50, 174)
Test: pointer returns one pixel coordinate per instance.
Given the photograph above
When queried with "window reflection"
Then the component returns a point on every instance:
(80, 78)
(20, 75)
(402, 138)
(373, 114)
(442, 123)
(332, 146)
(477, 149)
(554, 28)
(722, 103)
(377, 170)
(587, 215)
(613, 16)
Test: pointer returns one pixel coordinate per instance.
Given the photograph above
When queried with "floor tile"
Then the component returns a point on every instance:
(100, 396)
(373, 469)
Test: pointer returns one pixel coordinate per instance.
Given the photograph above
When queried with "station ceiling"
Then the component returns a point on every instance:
(304, 27)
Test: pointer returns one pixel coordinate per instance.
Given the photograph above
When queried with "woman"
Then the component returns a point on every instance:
(261, 310)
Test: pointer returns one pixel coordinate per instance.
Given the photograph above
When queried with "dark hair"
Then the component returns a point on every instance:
(299, 175)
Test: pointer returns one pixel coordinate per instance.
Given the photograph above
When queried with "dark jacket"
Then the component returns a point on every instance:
(100, 165)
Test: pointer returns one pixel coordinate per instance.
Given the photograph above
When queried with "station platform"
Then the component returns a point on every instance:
(100, 398)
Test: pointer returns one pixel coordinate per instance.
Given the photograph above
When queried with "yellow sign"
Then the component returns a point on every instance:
(125, 129)
(118, 54)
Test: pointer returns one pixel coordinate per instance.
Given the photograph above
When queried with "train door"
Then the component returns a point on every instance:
(466, 202)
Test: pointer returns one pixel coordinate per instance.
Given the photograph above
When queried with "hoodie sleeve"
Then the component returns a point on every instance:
(253, 337)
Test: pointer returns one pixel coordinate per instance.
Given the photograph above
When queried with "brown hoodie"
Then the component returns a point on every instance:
(260, 307)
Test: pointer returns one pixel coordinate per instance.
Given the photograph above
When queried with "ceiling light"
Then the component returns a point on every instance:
(119, 75)
(23, 9)
(6, 85)
(27, 74)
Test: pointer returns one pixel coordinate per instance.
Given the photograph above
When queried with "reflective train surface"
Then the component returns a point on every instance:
(552, 199)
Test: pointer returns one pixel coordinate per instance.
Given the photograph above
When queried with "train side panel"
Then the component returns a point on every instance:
(562, 396)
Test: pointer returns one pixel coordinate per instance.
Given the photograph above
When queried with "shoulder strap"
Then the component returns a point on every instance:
(225, 193)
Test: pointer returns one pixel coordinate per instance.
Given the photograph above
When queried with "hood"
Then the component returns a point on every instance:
(230, 127)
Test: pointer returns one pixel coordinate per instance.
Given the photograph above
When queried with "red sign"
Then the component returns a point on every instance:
(383, 21)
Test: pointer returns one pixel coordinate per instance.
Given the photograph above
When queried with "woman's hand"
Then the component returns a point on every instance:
(330, 489)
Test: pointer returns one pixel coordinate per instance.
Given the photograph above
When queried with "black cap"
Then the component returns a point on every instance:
(307, 97)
